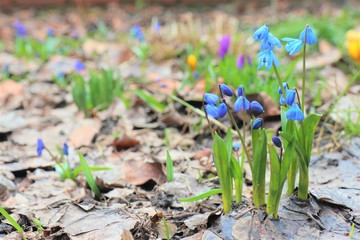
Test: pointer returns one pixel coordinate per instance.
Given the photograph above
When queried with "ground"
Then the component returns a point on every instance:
(132, 136)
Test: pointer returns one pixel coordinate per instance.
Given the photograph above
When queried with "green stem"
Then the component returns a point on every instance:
(242, 140)
(279, 80)
(303, 88)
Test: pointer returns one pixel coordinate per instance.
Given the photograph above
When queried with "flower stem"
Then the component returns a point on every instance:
(291, 177)
(303, 183)
(303, 88)
(242, 140)
(279, 80)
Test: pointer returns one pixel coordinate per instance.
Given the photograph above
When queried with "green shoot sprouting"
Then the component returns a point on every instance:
(12, 221)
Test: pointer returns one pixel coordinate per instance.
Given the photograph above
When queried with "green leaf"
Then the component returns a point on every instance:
(236, 169)
(228, 142)
(259, 142)
(201, 196)
(11, 220)
(284, 120)
(274, 186)
(76, 171)
(221, 159)
(88, 175)
(150, 100)
(166, 228)
(169, 167)
(310, 123)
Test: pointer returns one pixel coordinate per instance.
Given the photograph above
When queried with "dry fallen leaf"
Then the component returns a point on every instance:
(125, 142)
(83, 132)
(140, 172)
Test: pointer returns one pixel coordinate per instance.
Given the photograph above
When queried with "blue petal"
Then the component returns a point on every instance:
(310, 36)
(290, 97)
(285, 87)
(256, 108)
(257, 123)
(222, 109)
(261, 33)
(211, 98)
(241, 103)
(270, 42)
(212, 111)
(40, 146)
(241, 91)
(236, 147)
(276, 141)
(65, 149)
(282, 100)
(226, 90)
(294, 113)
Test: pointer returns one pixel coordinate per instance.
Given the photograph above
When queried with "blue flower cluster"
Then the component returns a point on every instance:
(268, 42)
(241, 104)
(294, 112)
(20, 29)
(294, 45)
(137, 33)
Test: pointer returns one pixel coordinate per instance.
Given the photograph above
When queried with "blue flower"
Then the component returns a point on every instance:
(226, 90)
(222, 110)
(285, 86)
(137, 33)
(50, 32)
(241, 103)
(212, 111)
(20, 29)
(294, 113)
(257, 123)
(293, 45)
(211, 98)
(40, 146)
(267, 58)
(261, 33)
(79, 66)
(236, 147)
(256, 108)
(241, 91)
(282, 100)
(290, 97)
(310, 36)
(224, 46)
(65, 149)
(276, 141)
(270, 42)
(196, 75)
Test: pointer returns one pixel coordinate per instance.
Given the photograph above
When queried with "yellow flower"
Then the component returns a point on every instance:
(192, 61)
(353, 44)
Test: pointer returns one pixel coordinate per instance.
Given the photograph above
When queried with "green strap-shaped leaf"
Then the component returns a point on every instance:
(259, 167)
(222, 165)
(201, 196)
(237, 174)
(274, 187)
(150, 100)
(310, 123)
(88, 175)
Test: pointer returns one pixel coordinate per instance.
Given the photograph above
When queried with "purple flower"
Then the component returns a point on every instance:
(240, 61)
(20, 29)
(310, 36)
(224, 46)
(196, 75)
(79, 66)
(226, 90)
(40, 146)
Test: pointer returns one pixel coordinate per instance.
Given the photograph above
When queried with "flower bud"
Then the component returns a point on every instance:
(222, 109)
(226, 90)
(256, 108)
(276, 141)
(257, 123)
(211, 98)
